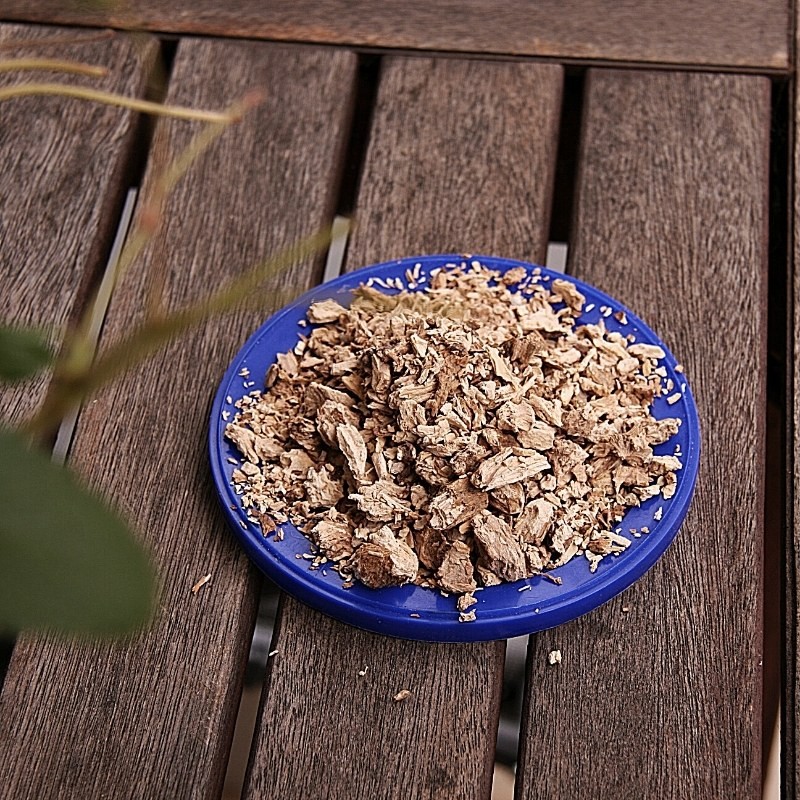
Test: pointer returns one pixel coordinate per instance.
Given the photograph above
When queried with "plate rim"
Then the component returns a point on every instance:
(353, 606)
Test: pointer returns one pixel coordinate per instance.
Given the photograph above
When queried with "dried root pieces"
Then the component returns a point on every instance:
(455, 437)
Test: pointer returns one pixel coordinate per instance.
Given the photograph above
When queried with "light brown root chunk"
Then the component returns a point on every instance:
(509, 467)
(499, 547)
(456, 571)
(325, 311)
(333, 536)
(457, 503)
(384, 561)
(535, 521)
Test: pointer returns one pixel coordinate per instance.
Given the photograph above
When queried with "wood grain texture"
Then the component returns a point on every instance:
(63, 176)
(740, 33)
(461, 159)
(664, 700)
(154, 717)
(461, 155)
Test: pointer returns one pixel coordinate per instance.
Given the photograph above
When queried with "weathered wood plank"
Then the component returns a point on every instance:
(63, 177)
(154, 717)
(665, 700)
(742, 33)
(461, 159)
(461, 156)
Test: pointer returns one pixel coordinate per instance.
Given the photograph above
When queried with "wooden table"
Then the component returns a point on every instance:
(655, 140)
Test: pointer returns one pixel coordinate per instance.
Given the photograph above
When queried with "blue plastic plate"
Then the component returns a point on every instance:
(502, 611)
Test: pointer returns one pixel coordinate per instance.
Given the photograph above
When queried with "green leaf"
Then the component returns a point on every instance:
(23, 352)
(67, 562)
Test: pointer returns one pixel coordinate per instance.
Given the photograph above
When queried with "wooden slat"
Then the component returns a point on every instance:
(740, 33)
(154, 718)
(63, 175)
(461, 157)
(664, 700)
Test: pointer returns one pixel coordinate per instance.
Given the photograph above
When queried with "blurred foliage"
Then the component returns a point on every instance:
(23, 352)
(68, 563)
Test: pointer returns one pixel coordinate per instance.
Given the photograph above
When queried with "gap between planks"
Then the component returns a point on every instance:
(777, 414)
(102, 300)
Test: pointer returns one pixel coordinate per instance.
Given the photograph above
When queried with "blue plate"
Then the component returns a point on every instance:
(501, 611)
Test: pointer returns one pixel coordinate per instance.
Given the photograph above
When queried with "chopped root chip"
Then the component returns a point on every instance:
(457, 503)
(535, 521)
(456, 437)
(456, 573)
(567, 292)
(325, 311)
(333, 536)
(384, 561)
(351, 443)
(403, 694)
(554, 657)
(507, 467)
(201, 583)
(465, 601)
(265, 522)
(500, 549)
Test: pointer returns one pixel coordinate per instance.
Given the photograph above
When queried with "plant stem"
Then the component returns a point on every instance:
(73, 384)
(109, 98)
(78, 351)
(54, 64)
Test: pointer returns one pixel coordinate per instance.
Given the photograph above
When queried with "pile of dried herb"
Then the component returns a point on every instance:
(457, 436)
